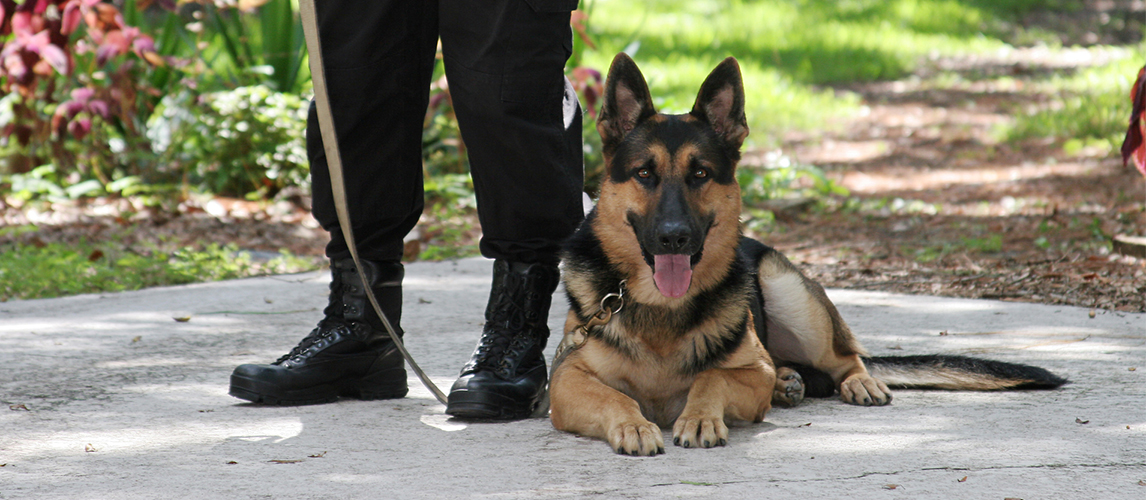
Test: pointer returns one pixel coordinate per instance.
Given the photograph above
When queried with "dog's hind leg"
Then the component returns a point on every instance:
(804, 327)
(789, 390)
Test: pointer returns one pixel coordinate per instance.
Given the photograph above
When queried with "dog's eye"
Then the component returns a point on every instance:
(644, 173)
(700, 173)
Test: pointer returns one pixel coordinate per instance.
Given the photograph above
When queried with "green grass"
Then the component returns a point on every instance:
(788, 49)
(1087, 109)
(55, 270)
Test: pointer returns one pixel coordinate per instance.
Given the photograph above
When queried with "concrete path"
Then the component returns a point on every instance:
(108, 396)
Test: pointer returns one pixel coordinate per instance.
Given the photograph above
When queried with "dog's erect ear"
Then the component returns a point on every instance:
(627, 101)
(720, 103)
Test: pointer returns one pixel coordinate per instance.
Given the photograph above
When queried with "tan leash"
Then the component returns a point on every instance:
(337, 184)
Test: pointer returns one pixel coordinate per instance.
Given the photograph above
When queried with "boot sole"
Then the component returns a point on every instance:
(388, 384)
(473, 405)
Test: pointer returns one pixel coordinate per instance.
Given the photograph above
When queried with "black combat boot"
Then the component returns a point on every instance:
(506, 375)
(348, 354)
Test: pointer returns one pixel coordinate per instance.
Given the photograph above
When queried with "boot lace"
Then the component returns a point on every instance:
(324, 331)
(508, 332)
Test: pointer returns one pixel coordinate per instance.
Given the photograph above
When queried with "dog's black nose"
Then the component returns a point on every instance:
(673, 236)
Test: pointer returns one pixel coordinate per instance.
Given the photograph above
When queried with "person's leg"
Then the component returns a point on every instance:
(378, 57)
(522, 125)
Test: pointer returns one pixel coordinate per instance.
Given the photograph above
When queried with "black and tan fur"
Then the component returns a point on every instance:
(686, 349)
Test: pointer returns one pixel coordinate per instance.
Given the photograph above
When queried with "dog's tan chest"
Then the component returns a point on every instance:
(652, 380)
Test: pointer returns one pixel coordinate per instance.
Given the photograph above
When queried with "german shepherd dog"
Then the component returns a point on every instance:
(671, 308)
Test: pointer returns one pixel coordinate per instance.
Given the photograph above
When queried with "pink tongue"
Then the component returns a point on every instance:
(672, 274)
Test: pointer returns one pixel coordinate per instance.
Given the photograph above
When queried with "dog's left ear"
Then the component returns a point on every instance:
(720, 103)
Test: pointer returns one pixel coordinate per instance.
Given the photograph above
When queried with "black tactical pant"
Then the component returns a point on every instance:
(518, 116)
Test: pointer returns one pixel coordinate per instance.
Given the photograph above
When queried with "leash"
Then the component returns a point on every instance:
(577, 337)
(337, 184)
(610, 304)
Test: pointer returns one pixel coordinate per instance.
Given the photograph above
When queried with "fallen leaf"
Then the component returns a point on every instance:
(231, 462)
(3, 465)
(1081, 421)
(89, 448)
(182, 319)
(424, 301)
(269, 301)
(320, 455)
(206, 411)
(890, 486)
(95, 255)
(1091, 314)
(18, 407)
(1012, 498)
(1133, 369)
(284, 461)
(809, 424)
(963, 480)
(896, 348)
(137, 338)
(1140, 483)
(943, 333)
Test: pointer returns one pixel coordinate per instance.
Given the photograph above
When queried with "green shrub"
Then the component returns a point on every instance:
(244, 142)
(780, 177)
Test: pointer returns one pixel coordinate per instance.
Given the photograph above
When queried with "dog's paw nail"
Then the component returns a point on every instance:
(707, 444)
(722, 442)
(867, 401)
(660, 450)
(620, 451)
(634, 453)
(676, 441)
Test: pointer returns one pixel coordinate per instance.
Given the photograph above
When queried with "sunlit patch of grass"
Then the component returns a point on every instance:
(786, 48)
(1088, 110)
(45, 270)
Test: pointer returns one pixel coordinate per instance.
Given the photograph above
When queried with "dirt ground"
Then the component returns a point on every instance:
(937, 204)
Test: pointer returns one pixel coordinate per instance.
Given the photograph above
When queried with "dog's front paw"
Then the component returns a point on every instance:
(789, 389)
(862, 389)
(699, 431)
(637, 438)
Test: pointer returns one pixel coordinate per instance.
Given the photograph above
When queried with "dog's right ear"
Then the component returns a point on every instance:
(627, 101)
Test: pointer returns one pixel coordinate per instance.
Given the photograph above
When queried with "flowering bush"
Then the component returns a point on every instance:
(64, 66)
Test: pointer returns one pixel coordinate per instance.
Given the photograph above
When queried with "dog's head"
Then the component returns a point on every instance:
(669, 207)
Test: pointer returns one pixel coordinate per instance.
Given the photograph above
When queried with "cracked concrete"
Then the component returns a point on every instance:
(109, 397)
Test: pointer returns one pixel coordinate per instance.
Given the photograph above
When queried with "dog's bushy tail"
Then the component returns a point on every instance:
(959, 373)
